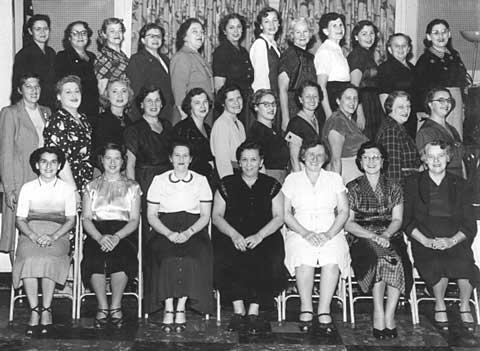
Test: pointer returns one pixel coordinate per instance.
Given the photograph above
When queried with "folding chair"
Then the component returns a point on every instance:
(16, 294)
(83, 292)
(341, 294)
(417, 281)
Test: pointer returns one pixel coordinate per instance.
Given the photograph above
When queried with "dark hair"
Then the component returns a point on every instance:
(407, 38)
(68, 32)
(144, 91)
(344, 88)
(431, 94)
(182, 32)
(388, 104)
(430, 25)
(31, 22)
(222, 95)
(443, 145)
(180, 141)
(37, 154)
(371, 145)
(249, 145)
(102, 40)
(102, 150)
(143, 33)
(358, 28)
(224, 22)
(259, 94)
(187, 101)
(301, 88)
(311, 143)
(258, 22)
(325, 20)
(105, 102)
(25, 76)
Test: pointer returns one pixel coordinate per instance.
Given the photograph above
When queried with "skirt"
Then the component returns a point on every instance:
(33, 261)
(123, 258)
(177, 270)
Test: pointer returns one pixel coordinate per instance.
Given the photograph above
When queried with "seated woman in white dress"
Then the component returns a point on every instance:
(46, 211)
(316, 209)
(111, 212)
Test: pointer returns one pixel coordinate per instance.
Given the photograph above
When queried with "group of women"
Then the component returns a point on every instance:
(345, 180)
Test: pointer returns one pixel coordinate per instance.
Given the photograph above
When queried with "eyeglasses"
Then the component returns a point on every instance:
(82, 33)
(444, 101)
(268, 104)
(154, 36)
(374, 158)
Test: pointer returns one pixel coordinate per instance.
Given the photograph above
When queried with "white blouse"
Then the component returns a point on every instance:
(329, 60)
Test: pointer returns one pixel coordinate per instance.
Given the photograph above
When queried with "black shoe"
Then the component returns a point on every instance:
(390, 333)
(32, 330)
(442, 325)
(237, 323)
(378, 334)
(305, 326)
(180, 327)
(167, 327)
(326, 329)
(469, 325)
(99, 323)
(257, 324)
(117, 322)
(46, 329)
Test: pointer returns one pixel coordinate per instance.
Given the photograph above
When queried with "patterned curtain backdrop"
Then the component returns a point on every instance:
(171, 13)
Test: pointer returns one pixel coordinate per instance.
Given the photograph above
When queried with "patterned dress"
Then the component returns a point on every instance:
(75, 140)
(373, 211)
(110, 64)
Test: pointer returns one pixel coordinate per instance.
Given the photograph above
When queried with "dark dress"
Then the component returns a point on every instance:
(32, 59)
(68, 62)
(177, 270)
(392, 76)
(75, 140)
(144, 69)
(258, 275)
(441, 211)
(302, 129)
(234, 65)
(362, 59)
(298, 64)
(403, 157)
(373, 211)
(201, 152)
(275, 148)
(109, 129)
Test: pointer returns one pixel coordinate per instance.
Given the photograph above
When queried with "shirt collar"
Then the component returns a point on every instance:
(173, 179)
(52, 183)
(269, 43)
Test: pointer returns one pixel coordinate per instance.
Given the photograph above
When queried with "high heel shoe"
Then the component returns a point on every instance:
(116, 322)
(180, 327)
(390, 333)
(442, 325)
(32, 330)
(46, 329)
(99, 323)
(325, 328)
(305, 326)
(167, 327)
(469, 325)
(378, 334)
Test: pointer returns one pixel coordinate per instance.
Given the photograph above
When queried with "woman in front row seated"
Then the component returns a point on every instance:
(248, 245)
(46, 211)
(180, 253)
(316, 208)
(438, 218)
(379, 256)
(111, 212)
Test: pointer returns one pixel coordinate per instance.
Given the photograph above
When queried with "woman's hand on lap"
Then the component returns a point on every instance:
(239, 242)
(253, 240)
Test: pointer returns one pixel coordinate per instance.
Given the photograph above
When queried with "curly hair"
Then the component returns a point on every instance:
(258, 22)
(68, 32)
(222, 26)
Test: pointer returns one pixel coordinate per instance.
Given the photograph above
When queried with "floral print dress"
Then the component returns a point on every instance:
(75, 140)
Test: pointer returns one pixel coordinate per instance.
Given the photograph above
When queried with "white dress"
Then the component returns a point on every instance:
(314, 208)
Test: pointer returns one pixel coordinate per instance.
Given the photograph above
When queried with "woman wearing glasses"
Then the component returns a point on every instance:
(78, 61)
(441, 66)
(379, 255)
(439, 103)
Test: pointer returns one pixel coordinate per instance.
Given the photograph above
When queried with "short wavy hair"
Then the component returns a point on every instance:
(182, 32)
(224, 22)
(325, 20)
(431, 94)
(144, 91)
(102, 33)
(291, 29)
(443, 145)
(303, 86)
(249, 145)
(313, 142)
(102, 150)
(358, 28)
(388, 104)
(259, 94)
(371, 145)
(105, 101)
(261, 15)
(143, 33)
(68, 32)
(222, 95)
(37, 154)
(67, 79)
(395, 35)
(187, 101)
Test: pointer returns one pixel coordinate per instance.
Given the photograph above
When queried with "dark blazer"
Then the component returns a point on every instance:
(144, 69)
(68, 62)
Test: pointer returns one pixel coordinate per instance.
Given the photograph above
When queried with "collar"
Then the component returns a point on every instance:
(173, 179)
(47, 184)
(269, 43)
(331, 44)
